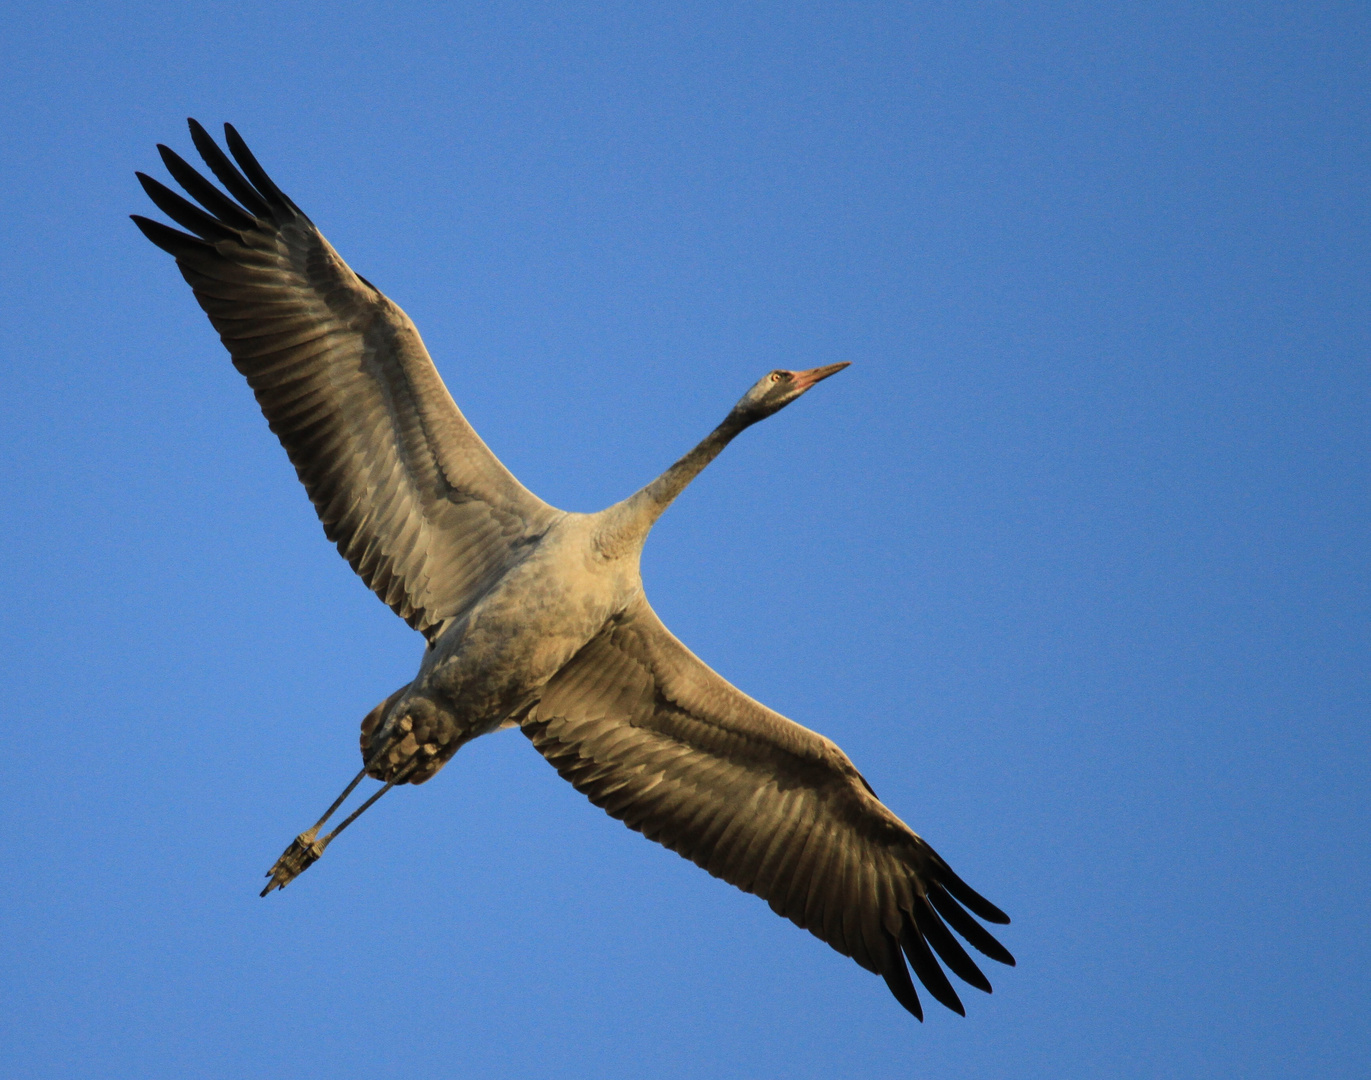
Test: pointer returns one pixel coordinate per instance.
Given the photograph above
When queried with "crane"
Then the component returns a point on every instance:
(536, 618)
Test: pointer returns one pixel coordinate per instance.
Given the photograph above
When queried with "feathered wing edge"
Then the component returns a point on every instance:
(660, 741)
(414, 500)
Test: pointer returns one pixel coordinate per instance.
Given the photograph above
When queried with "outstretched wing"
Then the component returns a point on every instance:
(659, 740)
(415, 501)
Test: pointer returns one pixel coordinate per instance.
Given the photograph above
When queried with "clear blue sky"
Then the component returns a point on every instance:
(1072, 560)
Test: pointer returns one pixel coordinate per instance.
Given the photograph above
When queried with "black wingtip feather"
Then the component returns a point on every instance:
(977, 936)
(168, 239)
(947, 947)
(902, 987)
(184, 213)
(203, 192)
(252, 170)
(223, 168)
(969, 897)
(927, 969)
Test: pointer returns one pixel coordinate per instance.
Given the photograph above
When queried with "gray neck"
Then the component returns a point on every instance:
(627, 524)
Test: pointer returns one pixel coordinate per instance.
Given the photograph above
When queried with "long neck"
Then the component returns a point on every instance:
(628, 523)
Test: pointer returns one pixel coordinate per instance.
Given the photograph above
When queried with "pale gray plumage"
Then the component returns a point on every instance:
(537, 617)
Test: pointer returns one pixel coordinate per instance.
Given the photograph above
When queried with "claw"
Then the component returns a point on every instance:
(304, 852)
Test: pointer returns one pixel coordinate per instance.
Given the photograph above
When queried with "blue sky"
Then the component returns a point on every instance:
(1071, 561)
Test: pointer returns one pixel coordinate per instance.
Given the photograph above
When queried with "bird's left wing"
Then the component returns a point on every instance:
(414, 500)
(659, 740)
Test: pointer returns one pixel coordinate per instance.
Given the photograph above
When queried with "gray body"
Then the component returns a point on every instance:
(536, 617)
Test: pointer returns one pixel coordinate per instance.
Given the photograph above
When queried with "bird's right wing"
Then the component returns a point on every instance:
(414, 500)
(659, 740)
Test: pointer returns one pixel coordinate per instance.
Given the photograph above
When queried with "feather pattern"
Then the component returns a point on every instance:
(411, 496)
(651, 734)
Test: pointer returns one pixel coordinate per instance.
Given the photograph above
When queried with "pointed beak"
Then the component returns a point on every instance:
(805, 379)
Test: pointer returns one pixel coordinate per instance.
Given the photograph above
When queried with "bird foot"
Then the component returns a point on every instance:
(304, 852)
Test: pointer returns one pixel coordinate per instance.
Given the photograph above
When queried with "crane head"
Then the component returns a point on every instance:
(777, 389)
